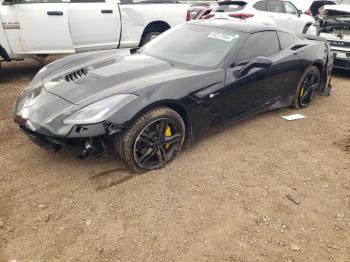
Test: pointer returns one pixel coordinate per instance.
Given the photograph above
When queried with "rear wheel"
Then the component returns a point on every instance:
(153, 140)
(308, 85)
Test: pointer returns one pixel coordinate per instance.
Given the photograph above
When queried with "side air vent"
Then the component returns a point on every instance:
(74, 76)
(297, 47)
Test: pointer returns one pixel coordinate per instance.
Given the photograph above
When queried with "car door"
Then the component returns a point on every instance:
(277, 13)
(293, 17)
(41, 27)
(94, 24)
(261, 86)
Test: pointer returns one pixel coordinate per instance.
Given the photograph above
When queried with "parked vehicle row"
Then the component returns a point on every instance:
(37, 28)
(282, 14)
(334, 25)
(151, 101)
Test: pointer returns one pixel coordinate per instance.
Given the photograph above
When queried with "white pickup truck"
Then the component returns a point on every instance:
(37, 28)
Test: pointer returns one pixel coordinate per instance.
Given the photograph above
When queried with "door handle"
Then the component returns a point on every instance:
(54, 13)
(106, 11)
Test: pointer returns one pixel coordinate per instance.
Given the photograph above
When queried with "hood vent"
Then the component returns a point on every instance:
(74, 76)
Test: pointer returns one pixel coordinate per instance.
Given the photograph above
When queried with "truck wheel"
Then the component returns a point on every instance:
(152, 141)
(148, 37)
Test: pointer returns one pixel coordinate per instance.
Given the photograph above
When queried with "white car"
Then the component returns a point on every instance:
(334, 25)
(282, 14)
(37, 28)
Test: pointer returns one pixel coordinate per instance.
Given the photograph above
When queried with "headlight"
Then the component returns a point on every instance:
(100, 110)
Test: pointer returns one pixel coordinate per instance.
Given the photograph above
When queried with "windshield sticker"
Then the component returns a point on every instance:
(225, 37)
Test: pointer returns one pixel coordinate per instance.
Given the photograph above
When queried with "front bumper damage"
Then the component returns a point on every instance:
(45, 128)
(334, 25)
(90, 139)
(340, 46)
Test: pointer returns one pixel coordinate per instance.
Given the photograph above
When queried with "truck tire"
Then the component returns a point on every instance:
(149, 36)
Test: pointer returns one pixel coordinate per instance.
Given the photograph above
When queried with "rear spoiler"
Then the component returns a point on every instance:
(240, 3)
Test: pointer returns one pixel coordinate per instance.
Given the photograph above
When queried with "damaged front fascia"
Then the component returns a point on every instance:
(93, 130)
(334, 20)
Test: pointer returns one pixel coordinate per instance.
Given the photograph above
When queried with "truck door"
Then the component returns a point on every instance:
(37, 27)
(94, 24)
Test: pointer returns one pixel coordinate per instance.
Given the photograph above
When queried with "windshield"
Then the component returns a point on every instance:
(345, 2)
(193, 45)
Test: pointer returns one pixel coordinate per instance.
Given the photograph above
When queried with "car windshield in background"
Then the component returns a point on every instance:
(193, 45)
(230, 7)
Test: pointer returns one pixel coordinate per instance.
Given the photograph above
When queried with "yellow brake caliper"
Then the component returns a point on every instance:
(302, 90)
(167, 134)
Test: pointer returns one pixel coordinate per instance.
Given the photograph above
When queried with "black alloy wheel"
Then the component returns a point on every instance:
(157, 143)
(310, 83)
(153, 140)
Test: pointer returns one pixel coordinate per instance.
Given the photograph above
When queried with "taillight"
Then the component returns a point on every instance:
(240, 15)
(308, 12)
(188, 15)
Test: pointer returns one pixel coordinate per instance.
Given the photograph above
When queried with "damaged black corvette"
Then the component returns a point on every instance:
(151, 101)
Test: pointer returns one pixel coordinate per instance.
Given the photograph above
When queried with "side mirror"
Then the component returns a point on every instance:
(8, 2)
(258, 62)
(134, 50)
(300, 12)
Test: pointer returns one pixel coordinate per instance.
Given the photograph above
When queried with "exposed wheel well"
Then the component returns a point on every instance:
(155, 26)
(323, 74)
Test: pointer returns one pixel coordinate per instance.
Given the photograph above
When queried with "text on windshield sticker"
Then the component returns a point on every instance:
(221, 36)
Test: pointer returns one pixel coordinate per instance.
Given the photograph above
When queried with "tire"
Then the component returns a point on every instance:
(145, 145)
(148, 37)
(307, 87)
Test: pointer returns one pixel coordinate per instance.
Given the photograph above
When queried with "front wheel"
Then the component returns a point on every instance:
(308, 85)
(153, 140)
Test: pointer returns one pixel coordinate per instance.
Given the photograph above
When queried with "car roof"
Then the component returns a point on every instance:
(244, 27)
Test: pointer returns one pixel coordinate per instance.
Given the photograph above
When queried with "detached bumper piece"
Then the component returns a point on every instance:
(50, 144)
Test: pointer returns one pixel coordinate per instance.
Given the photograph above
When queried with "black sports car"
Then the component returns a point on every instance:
(150, 101)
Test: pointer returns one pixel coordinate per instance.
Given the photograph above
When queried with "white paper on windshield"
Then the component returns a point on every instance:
(293, 117)
(221, 36)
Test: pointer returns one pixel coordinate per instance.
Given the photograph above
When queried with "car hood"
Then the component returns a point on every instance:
(86, 79)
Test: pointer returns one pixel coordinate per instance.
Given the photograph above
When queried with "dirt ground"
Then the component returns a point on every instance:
(264, 189)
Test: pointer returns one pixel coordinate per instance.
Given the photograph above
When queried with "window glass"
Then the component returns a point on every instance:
(261, 6)
(286, 39)
(259, 44)
(193, 45)
(290, 8)
(276, 6)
